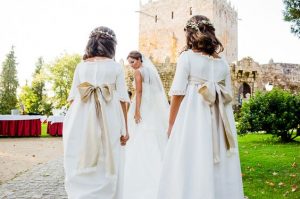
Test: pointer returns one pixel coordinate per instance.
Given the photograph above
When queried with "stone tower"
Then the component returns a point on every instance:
(161, 25)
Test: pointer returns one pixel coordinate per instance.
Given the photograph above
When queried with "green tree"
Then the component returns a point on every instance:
(276, 112)
(8, 83)
(292, 14)
(38, 82)
(33, 98)
(27, 99)
(61, 77)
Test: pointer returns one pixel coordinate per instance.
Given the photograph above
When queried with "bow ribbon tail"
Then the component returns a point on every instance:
(216, 93)
(106, 93)
(89, 155)
(86, 90)
(215, 137)
(229, 139)
(97, 103)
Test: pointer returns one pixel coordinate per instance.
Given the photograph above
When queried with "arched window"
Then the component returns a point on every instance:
(191, 11)
(155, 18)
(172, 15)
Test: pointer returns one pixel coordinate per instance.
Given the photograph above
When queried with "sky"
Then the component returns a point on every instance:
(50, 28)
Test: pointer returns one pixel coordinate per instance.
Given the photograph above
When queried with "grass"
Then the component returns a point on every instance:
(44, 130)
(270, 169)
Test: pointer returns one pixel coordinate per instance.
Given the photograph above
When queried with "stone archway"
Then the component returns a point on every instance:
(244, 92)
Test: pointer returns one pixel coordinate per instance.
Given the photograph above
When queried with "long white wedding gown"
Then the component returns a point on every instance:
(89, 173)
(197, 163)
(144, 150)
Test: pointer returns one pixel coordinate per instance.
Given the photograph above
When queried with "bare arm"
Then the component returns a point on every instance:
(125, 138)
(138, 95)
(124, 109)
(175, 104)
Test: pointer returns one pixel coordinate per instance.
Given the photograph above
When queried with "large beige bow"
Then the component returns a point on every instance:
(216, 92)
(87, 91)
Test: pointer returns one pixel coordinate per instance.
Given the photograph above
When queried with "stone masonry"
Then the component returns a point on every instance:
(161, 38)
(161, 34)
(45, 181)
(249, 76)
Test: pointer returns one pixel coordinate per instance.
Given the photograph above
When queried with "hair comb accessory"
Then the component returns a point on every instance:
(194, 25)
(102, 33)
(206, 22)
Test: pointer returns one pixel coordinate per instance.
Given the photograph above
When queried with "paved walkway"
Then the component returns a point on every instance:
(44, 181)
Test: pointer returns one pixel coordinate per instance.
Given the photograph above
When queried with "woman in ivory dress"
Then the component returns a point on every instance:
(201, 159)
(95, 126)
(147, 124)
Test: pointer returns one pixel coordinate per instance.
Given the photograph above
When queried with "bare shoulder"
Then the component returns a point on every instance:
(137, 73)
(137, 76)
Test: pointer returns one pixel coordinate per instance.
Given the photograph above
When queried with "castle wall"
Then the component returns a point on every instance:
(161, 26)
(247, 71)
(162, 38)
(225, 21)
(247, 76)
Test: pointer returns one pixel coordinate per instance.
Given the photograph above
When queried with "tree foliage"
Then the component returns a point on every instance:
(292, 14)
(276, 112)
(33, 98)
(8, 83)
(61, 77)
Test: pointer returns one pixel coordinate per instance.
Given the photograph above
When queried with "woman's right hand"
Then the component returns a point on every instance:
(124, 139)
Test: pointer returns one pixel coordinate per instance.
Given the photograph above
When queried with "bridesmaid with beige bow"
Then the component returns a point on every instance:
(95, 127)
(201, 159)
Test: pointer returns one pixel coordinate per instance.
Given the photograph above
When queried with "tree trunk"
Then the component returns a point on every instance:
(285, 137)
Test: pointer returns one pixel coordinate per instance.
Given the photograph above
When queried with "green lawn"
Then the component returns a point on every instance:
(271, 169)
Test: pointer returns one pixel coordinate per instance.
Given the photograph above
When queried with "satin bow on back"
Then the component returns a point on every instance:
(87, 91)
(216, 93)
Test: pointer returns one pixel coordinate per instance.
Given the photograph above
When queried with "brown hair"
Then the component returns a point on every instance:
(200, 36)
(135, 55)
(102, 42)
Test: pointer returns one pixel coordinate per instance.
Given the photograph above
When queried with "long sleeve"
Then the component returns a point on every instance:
(74, 90)
(180, 80)
(121, 86)
(228, 78)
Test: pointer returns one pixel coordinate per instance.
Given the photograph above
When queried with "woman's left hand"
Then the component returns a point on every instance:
(169, 130)
(137, 117)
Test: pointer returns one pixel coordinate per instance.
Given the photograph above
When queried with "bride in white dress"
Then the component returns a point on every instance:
(201, 160)
(96, 123)
(147, 124)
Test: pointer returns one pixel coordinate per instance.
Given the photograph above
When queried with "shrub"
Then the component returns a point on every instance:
(276, 112)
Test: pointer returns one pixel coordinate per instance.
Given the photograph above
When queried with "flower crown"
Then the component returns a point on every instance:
(195, 25)
(102, 33)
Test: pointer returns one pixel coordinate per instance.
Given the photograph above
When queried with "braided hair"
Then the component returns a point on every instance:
(102, 42)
